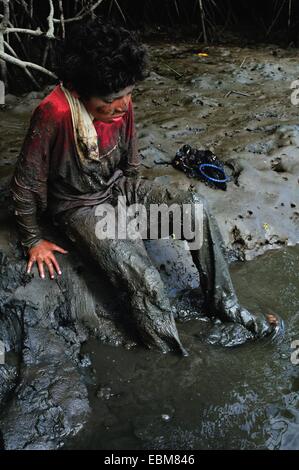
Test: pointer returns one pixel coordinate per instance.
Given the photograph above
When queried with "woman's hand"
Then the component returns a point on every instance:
(42, 253)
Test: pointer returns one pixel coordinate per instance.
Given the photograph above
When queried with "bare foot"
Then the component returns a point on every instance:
(272, 319)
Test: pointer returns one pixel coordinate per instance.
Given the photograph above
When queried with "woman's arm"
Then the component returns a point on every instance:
(29, 182)
(29, 188)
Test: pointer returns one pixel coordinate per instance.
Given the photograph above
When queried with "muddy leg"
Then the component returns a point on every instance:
(210, 259)
(127, 265)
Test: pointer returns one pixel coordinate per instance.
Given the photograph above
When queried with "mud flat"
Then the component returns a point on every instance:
(235, 102)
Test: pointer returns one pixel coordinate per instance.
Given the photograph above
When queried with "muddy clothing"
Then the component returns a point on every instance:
(127, 265)
(49, 172)
(48, 165)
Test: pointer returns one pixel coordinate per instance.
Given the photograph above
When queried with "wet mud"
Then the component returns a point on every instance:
(64, 380)
(217, 398)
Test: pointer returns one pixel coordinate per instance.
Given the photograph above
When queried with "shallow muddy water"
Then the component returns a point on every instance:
(217, 398)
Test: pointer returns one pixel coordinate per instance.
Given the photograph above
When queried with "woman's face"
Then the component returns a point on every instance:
(109, 108)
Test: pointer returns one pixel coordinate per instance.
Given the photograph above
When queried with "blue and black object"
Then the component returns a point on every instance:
(202, 165)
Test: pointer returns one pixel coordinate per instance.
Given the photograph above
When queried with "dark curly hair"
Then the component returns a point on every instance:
(100, 58)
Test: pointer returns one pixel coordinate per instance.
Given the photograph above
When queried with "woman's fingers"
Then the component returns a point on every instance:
(50, 261)
(50, 267)
(44, 253)
(56, 265)
(41, 268)
(58, 248)
(30, 264)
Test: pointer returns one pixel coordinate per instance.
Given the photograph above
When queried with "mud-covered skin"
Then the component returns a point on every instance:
(127, 265)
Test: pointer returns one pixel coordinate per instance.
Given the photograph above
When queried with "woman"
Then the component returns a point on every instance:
(81, 152)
